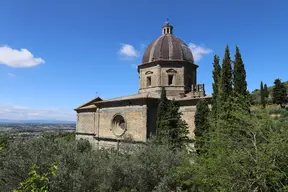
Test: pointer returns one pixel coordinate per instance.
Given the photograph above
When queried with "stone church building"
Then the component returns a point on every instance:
(167, 62)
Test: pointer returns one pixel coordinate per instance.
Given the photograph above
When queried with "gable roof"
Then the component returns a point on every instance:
(89, 104)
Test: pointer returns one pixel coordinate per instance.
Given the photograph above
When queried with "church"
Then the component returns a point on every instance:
(167, 62)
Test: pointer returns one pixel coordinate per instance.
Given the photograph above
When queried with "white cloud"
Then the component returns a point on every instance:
(11, 75)
(18, 58)
(17, 112)
(198, 51)
(128, 51)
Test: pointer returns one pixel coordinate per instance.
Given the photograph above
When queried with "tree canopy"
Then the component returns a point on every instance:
(279, 93)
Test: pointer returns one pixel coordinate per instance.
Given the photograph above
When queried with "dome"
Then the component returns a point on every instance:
(167, 47)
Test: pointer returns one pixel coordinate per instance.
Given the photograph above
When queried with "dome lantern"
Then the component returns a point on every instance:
(167, 28)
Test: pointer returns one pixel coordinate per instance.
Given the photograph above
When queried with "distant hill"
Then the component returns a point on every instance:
(37, 121)
(256, 93)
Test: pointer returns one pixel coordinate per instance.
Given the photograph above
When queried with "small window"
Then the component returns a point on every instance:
(170, 79)
(148, 81)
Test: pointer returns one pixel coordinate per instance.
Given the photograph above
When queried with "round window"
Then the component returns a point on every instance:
(118, 125)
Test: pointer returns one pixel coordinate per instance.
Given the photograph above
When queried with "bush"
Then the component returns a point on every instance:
(246, 154)
(139, 168)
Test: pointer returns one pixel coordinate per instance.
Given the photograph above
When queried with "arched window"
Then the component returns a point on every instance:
(170, 79)
(148, 78)
(171, 76)
(148, 81)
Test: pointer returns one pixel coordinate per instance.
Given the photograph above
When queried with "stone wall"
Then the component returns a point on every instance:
(188, 113)
(140, 117)
(159, 78)
(135, 118)
(153, 72)
(116, 144)
(178, 73)
(86, 122)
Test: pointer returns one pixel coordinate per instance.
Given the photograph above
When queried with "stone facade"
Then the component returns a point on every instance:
(176, 77)
(188, 113)
(167, 62)
(139, 115)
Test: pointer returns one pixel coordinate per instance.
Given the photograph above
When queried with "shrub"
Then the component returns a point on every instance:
(140, 168)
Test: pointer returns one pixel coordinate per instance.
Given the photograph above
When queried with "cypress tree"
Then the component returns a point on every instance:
(240, 83)
(262, 95)
(225, 88)
(226, 77)
(161, 112)
(284, 93)
(201, 123)
(266, 92)
(279, 93)
(216, 77)
(171, 129)
(176, 128)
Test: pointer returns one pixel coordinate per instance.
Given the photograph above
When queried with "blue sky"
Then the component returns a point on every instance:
(58, 54)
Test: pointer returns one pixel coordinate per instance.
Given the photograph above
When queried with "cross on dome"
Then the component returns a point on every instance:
(167, 21)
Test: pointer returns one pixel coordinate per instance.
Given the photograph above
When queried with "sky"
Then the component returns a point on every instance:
(57, 54)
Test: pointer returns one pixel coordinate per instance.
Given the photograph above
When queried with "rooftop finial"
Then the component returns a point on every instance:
(167, 21)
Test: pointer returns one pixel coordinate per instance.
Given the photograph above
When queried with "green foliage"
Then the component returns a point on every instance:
(36, 182)
(262, 93)
(216, 77)
(225, 88)
(277, 111)
(201, 123)
(239, 72)
(4, 139)
(244, 152)
(257, 97)
(177, 128)
(161, 112)
(171, 129)
(139, 168)
(279, 93)
(239, 81)
(245, 155)
(83, 145)
(266, 92)
(184, 175)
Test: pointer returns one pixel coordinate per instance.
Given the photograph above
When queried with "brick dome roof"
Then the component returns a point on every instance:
(167, 47)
